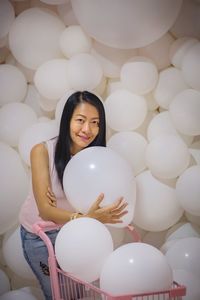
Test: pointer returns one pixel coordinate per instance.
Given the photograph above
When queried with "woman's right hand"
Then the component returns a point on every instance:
(108, 214)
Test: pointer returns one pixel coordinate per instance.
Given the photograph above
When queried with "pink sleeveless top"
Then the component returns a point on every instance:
(29, 212)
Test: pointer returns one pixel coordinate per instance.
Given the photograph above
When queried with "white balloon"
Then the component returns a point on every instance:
(7, 16)
(188, 190)
(190, 281)
(175, 152)
(139, 75)
(74, 40)
(182, 230)
(132, 260)
(125, 110)
(156, 207)
(28, 31)
(170, 83)
(51, 78)
(11, 76)
(35, 134)
(179, 48)
(17, 262)
(185, 254)
(162, 124)
(84, 72)
(17, 295)
(128, 24)
(13, 174)
(82, 254)
(191, 66)
(100, 170)
(185, 112)
(14, 119)
(131, 146)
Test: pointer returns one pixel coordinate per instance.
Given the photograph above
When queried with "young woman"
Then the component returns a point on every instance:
(82, 125)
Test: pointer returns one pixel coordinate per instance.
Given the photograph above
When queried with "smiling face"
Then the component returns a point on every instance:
(84, 126)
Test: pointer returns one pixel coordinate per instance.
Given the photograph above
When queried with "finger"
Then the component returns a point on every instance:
(119, 209)
(50, 191)
(97, 202)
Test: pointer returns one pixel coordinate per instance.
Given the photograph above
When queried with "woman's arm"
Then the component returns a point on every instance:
(41, 183)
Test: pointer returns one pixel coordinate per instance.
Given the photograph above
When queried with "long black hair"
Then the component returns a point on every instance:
(62, 150)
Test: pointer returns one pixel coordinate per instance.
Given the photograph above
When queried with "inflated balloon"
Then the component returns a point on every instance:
(82, 246)
(13, 174)
(11, 76)
(17, 262)
(185, 254)
(51, 78)
(131, 146)
(28, 31)
(188, 190)
(179, 48)
(74, 40)
(170, 83)
(190, 281)
(102, 171)
(156, 208)
(162, 124)
(84, 72)
(122, 26)
(191, 66)
(125, 110)
(14, 119)
(17, 295)
(132, 260)
(139, 75)
(185, 112)
(175, 152)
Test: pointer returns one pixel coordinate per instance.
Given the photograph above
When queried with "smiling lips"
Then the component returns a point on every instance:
(84, 138)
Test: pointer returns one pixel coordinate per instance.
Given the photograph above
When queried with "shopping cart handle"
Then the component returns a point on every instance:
(44, 225)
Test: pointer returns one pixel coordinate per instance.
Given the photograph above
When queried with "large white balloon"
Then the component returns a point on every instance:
(185, 254)
(191, 66)
(84, 72)
(27, 33)
(175, 153)
(4, 283)
(188, 190)
(102, 171)
(170, 83)
(35, 134)
(51, 78)
(13, 186)
(131, 146)
(13, 84)
(82, 246)
(185, 112)
(126, 24)
(16, 262)
(156, 207)
(139, 75)
(14, 119)
(125, 110)
(74, 40)
(132, 260)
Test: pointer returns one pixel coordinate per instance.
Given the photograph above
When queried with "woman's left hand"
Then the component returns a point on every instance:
(51, 197)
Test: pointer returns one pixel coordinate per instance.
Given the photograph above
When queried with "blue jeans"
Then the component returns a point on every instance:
(36, 254)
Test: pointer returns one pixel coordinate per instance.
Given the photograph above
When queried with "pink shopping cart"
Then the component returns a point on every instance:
(66, 287)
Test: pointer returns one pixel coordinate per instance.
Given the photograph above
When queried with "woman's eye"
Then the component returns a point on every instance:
(80, 120)
(95, 123)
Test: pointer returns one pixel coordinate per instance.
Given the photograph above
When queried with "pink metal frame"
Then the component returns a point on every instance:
(64, 284)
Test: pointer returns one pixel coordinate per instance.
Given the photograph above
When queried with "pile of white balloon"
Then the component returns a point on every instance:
(142, 58)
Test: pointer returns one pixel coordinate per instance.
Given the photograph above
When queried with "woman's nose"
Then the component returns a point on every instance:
(86, 127)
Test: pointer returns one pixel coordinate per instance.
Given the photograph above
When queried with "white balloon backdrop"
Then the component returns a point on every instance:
(142, 58)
